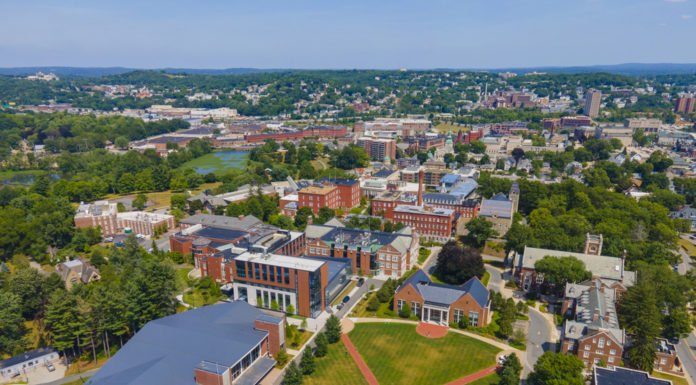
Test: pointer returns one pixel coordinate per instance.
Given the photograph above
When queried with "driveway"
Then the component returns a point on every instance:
(429, 265)
(357, 295)
(495, 282)
(539, 339)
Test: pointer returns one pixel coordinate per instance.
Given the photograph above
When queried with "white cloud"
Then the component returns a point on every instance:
(686, 17)
(676, 1)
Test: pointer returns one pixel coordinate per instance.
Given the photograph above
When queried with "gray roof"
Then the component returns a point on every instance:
(600, 265)
(167, 350)
(442, 294)
(28, 356)
(497, 208)
(625, 376)
(354, 238)
(222, 221)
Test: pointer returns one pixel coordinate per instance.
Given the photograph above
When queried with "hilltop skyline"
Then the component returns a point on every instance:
(359, 34)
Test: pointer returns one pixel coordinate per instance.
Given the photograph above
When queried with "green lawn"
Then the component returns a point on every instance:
(384, 311)
(336, 367)
(217, 162)
(423, 254)
(493, 379)
(398, 355)
(198, 298)
(486, 278)
(676, 380)
(344, 293)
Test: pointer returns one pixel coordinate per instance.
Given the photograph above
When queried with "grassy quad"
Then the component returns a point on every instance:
(336, 368)
(397, 354)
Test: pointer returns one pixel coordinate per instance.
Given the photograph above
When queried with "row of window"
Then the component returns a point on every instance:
(428, 218)
(458, 313)
(385, 257)
(263, 272)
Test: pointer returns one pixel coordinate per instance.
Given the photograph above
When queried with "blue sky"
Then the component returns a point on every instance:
(345, 34)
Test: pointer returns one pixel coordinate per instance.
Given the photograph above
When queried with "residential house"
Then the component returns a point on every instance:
(25, 362)
(78, 270)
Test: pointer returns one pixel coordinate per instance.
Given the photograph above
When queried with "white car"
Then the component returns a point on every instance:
(50, 367)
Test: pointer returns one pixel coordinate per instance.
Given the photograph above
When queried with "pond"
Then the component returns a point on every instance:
(218, 161)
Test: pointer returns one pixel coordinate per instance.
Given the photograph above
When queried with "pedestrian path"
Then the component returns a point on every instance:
(367, 373)
(431, 330)
(475, 376)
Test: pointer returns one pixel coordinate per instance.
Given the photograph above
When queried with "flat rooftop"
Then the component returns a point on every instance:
(296, 263)
(317, 190)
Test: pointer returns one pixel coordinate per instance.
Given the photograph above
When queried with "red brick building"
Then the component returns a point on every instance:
(331, 193)
(377, 148)
(290, 135)
(370, 252)
(444, 304)
(575, 121)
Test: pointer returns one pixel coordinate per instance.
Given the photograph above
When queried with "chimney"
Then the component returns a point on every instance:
(420, 187)
(241, 217)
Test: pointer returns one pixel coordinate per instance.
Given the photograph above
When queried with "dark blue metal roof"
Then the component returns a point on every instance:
(444, 294)
(383, 173)
(28, 356)
(623, 376)
(167, 350)
(220, 233)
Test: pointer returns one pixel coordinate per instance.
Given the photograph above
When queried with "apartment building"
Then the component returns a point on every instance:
(105, 215)
(378, 149)
(331, 193)
(592, 99)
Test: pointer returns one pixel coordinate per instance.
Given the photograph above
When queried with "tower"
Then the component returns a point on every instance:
(593, 244)
(514, 196)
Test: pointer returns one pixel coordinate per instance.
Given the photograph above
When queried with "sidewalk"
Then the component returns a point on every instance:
(475, 376)
(369, 376)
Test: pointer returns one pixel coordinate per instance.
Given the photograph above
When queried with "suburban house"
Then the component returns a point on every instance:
(218, 344)
(371, 252)
(618, 376)
(593, 334)
(21, 363)
(609, 269)
(444, 304)
(78, 270)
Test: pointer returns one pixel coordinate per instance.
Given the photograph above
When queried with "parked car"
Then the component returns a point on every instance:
(361, 282)
(50, 367)
(340, 306)
(346, 299)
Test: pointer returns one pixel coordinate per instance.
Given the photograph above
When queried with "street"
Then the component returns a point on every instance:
(685, 351)
(362, 290)
(429, 265)
(538, 339)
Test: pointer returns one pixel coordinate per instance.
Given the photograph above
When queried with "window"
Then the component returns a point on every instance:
(458, 315)
(473, 318)
(399, 304)
(586, 354)
(611, 360)
(663, 361)
(415, 309)
(599, 351)
(612, 352)
(601, 343)
(587, 347)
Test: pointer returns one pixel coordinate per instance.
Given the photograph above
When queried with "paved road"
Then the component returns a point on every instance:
(357, 295)
(429, 265)
(686, 350)
(496, 280)
(538, 339)
(74, 377)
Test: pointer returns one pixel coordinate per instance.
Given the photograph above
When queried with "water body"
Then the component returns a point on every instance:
(26, 179)
(221, 160)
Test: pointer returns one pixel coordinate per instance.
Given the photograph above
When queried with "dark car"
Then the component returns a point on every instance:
(340, 306)
(346, 299)
(361, 282)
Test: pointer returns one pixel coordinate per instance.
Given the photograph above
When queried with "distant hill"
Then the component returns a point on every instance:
(622, 69)
(104, 71)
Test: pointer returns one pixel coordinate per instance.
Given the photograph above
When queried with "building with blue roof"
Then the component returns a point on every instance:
(218, 344)
(444, 304)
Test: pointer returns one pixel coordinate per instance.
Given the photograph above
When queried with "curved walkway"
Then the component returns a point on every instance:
(362, 365)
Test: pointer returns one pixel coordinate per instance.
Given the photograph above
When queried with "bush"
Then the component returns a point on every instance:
(464, 322)
(293, 376)
(282, 357)
(290, 309)
(373, 304)
(405, 311)
(333, 329)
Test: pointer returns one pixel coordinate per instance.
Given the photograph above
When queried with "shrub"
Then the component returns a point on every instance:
(290, 309)
(282, 357)
(373, 304)
(464, 322)
(333, 329)
(322, 345)
(308, 365)
(405, 311)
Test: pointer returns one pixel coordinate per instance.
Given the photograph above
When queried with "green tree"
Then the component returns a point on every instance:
(557, 369)
(322, 345)
(307, 363)
(372, 303)
(293, 375)
(479, 230)
(516, 238)
(457, 264)
(510, 371)
(140, 201)
(282, 357)
(11, 321)
(121, 142)
(559, 271)
(333, 329)
(325, 213)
